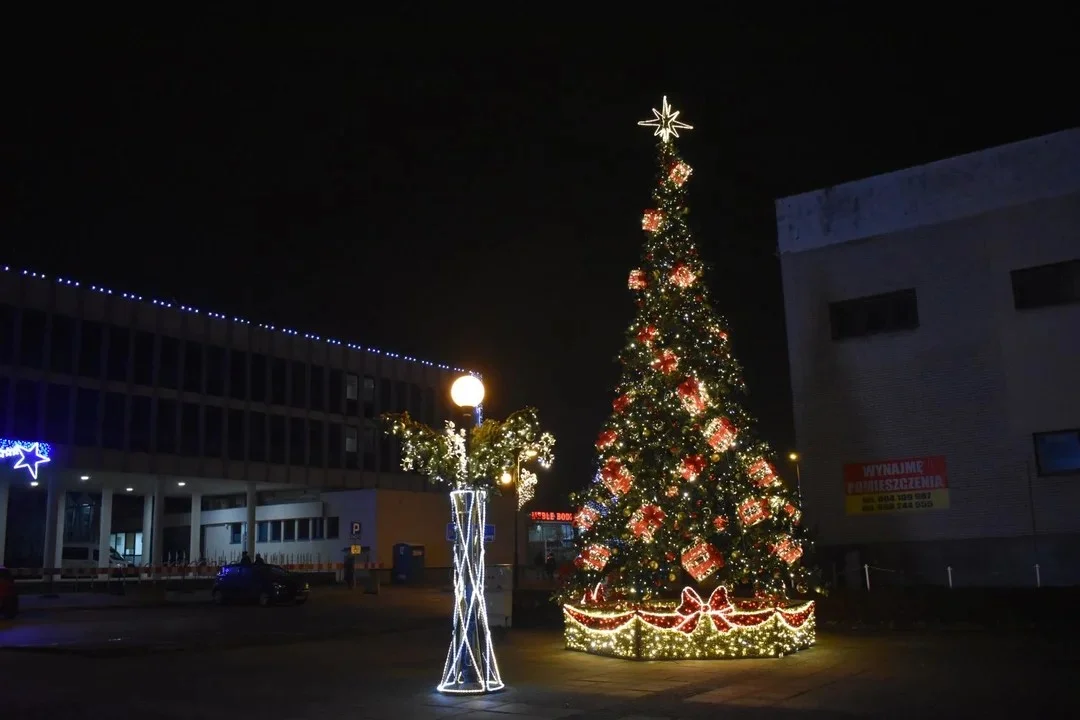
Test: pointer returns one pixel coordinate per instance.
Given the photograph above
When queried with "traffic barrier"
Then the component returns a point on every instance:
(132, 571)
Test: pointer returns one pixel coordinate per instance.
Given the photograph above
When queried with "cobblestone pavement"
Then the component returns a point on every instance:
(391, 675)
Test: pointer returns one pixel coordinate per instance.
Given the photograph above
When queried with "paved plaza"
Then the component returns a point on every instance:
(368, 657)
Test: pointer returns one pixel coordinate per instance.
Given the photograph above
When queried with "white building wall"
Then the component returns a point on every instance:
(972, 383)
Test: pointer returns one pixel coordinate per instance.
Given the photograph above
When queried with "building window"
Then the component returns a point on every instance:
(112, 421)
(277, 439)
(119, 354)
(275, 531)
(369, 396)
(318, 388)
(298, 387)
(1046, 285)
(335, 390)
(86, 417)
(189, 429)
(316, 528)
(352, 387)
(257, 437)
(297, 441)
(303, 529)
(262, 530)
(874, 315)
(166, 426)
(235, 442)
(278, 381)
(238, 374)
(62, 344)
(139, 438)
(32, 344)
(236, 533)
(213, 417)
(90, 334)
(1058, 452)
(26, 409)
(315, 443)
(169, 363)
(193, 353)
(290, 530)
(215, 371)
(331, 528)
(7, 333)
(57, 413)
(333, 445)
(258, 378)
(351, 439)
(144, 358)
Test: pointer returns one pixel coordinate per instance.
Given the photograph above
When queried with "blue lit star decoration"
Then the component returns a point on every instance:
(30, 455)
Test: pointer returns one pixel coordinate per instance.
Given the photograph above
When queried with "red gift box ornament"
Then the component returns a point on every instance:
(763, 473)
(651, 220)
(788, 550)
(594, 557)
(647, 334)
(679, 173)
(621, 403)
(596, 595)
(615, 477)
(585, 518)
(646, 520)
(682, 276)
(637, 280)
(693, 395)
(691, 467)
(665, 361)
(753, 511)
(701, 559)
(606, 439)
(721, 434)
(720, 522)
(793, 512)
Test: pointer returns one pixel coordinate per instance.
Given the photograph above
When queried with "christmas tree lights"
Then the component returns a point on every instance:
(687, 502)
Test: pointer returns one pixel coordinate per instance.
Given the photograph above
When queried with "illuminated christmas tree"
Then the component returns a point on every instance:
(687, 505)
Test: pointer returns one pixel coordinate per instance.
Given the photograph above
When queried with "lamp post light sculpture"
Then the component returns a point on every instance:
(471, 463)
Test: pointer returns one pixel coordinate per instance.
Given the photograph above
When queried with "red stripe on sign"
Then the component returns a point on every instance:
(905, 475)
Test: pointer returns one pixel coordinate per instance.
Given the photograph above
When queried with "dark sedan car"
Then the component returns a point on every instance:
(264, 584)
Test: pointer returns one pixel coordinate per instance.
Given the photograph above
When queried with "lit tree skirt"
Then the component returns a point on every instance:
(692, 629)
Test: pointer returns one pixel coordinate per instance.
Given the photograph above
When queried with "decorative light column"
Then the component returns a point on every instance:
(470, 663)
(471, 463)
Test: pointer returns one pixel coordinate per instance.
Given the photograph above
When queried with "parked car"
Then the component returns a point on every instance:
(86, 556)
(264, 584)
(9, 600)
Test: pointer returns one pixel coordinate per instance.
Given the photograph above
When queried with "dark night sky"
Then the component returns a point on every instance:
(474, 196)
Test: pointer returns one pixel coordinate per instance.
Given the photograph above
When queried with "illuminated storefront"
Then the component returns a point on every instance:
(550, 533)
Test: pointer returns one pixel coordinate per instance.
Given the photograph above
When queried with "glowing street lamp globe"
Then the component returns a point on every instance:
(467, 391)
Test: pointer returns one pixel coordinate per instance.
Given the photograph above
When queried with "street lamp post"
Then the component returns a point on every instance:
(794, 457)
(515, 480)
(470, 663)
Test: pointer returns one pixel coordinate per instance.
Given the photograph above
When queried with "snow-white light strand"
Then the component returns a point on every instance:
(666, 122)
(470, 666)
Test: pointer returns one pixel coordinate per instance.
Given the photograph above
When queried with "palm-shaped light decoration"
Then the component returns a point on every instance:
(471, 464)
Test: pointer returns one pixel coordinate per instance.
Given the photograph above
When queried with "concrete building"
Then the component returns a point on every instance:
(165, 432)
(933, 320)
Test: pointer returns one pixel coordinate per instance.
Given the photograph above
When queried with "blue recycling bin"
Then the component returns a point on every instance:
(408, 564)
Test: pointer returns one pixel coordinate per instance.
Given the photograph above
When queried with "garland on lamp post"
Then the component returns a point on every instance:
(471, 464)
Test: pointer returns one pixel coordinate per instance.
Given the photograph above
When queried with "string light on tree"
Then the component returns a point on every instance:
(687, 503)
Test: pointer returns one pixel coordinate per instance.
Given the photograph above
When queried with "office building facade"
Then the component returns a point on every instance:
(107, 394)
(933, 320)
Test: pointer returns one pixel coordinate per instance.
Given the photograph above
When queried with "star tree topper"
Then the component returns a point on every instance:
(666, 122)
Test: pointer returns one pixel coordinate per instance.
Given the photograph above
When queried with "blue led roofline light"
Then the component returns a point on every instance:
(241, 321)
(27, 454)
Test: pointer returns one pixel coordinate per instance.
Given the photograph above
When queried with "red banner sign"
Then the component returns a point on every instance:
(910, 484)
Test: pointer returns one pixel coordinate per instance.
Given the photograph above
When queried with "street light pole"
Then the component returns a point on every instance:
(794, 457)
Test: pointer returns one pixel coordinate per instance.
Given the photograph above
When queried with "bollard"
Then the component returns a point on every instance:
(866, 572)
(1038, 578)
(949, 569)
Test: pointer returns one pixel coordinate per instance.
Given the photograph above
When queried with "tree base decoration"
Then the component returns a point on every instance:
(691, 629)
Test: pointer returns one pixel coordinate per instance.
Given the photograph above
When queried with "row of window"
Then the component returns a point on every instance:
(140, 423)
(63, 344)
(292, 530)
(1035, 287)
